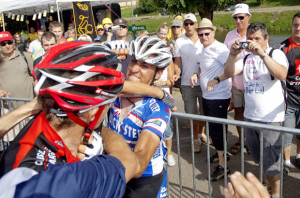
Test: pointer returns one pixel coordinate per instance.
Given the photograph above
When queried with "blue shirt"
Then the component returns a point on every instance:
(100, 176)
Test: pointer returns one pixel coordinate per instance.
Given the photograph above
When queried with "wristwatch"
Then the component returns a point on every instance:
(217, 79)
(264, 55)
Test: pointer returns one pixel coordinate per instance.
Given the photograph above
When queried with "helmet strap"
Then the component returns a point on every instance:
(153, 80)
(88, 128)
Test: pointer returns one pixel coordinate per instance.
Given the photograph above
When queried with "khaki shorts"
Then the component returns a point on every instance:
(238, 97)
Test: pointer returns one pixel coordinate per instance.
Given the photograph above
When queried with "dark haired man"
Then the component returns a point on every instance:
(261, 76)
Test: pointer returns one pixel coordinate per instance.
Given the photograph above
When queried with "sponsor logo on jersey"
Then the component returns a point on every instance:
(44, 157)
(157, 122)
(59, 143)
(154, 106)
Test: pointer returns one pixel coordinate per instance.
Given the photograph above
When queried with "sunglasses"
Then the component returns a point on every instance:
(123, 26)
(238, 17)
(206, 34)
(191, 24)
(3, 43)
(175, 27)
(100, 30)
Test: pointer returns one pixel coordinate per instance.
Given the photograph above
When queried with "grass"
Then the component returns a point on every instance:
(274, 21)
(272, 3)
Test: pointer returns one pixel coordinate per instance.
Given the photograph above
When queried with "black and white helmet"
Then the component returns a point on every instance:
(152, 50)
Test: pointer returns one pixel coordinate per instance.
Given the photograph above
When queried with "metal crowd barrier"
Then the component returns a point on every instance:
(224, 122)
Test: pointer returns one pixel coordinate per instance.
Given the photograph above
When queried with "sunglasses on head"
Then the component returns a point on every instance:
(239, 17)
(206, 34)
(3, 43)
(186, 24)
(123, 26)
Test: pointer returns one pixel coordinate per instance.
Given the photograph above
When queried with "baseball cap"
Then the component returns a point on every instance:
(179, 17)
(176, 22)
(190, 16)
(106, 21)
(241, 8)
(5, 36)
(206, 23)
(120, 21)
(99, 26)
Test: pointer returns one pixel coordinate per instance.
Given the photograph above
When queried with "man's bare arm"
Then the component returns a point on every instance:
(131, 89)
(145, 148)
(177, 70)
(115, 145)
(230, 68)
(12, 118)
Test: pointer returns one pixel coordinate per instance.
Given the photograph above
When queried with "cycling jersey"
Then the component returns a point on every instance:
(150, 114)
(292, 52)
(36, 147)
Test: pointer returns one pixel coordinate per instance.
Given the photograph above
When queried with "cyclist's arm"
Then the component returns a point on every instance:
(12, 118)
(140, 89)
(145, 148)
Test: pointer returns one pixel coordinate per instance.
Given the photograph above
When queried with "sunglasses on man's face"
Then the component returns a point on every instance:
(206, 34)
(3, 43)
(239, 17)
(100, 29)
(191, 24)
(175, 27)
(123, 26)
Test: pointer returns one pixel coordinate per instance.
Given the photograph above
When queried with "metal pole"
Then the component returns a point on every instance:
(57, 10)
(179, 161)
(208, 158)
(242, 152)
(3, 23)
(193, 155)
(225, 154)
(132, 12)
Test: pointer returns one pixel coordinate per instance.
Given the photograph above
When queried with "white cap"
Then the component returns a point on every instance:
(190, 16)
(241, 8)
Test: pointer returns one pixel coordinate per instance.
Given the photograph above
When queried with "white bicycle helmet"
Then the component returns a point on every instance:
(152, 50)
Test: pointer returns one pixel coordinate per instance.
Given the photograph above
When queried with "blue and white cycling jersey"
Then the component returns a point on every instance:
(150, 114)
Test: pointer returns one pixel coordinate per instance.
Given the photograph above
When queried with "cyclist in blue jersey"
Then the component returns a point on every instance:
(143, 120)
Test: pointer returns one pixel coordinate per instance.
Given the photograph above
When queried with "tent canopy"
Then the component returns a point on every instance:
(30, 7)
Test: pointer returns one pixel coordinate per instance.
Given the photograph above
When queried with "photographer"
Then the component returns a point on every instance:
(108, 34)
(264, 98)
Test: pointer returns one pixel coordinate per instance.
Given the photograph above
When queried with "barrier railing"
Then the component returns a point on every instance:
(224, 122)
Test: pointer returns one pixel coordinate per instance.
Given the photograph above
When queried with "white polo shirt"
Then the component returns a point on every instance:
(187, 50)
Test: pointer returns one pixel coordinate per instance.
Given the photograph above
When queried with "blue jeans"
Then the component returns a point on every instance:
(168, 131)
(290, 114)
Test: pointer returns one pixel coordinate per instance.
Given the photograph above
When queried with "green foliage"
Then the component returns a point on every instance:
(148, 6)
(194, 6)
(260, 2)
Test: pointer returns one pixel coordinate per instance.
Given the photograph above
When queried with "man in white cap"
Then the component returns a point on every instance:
(215, 87)
(241, 17)
(186, 48)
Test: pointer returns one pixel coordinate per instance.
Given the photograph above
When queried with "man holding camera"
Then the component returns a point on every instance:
(264, 96)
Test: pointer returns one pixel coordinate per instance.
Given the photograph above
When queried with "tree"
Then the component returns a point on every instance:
(147, 6)
(205, 8)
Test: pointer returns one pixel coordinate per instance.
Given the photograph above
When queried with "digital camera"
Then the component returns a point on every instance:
(113, 28)
(244, 45)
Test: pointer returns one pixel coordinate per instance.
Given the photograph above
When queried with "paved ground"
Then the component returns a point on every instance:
(291, 185)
